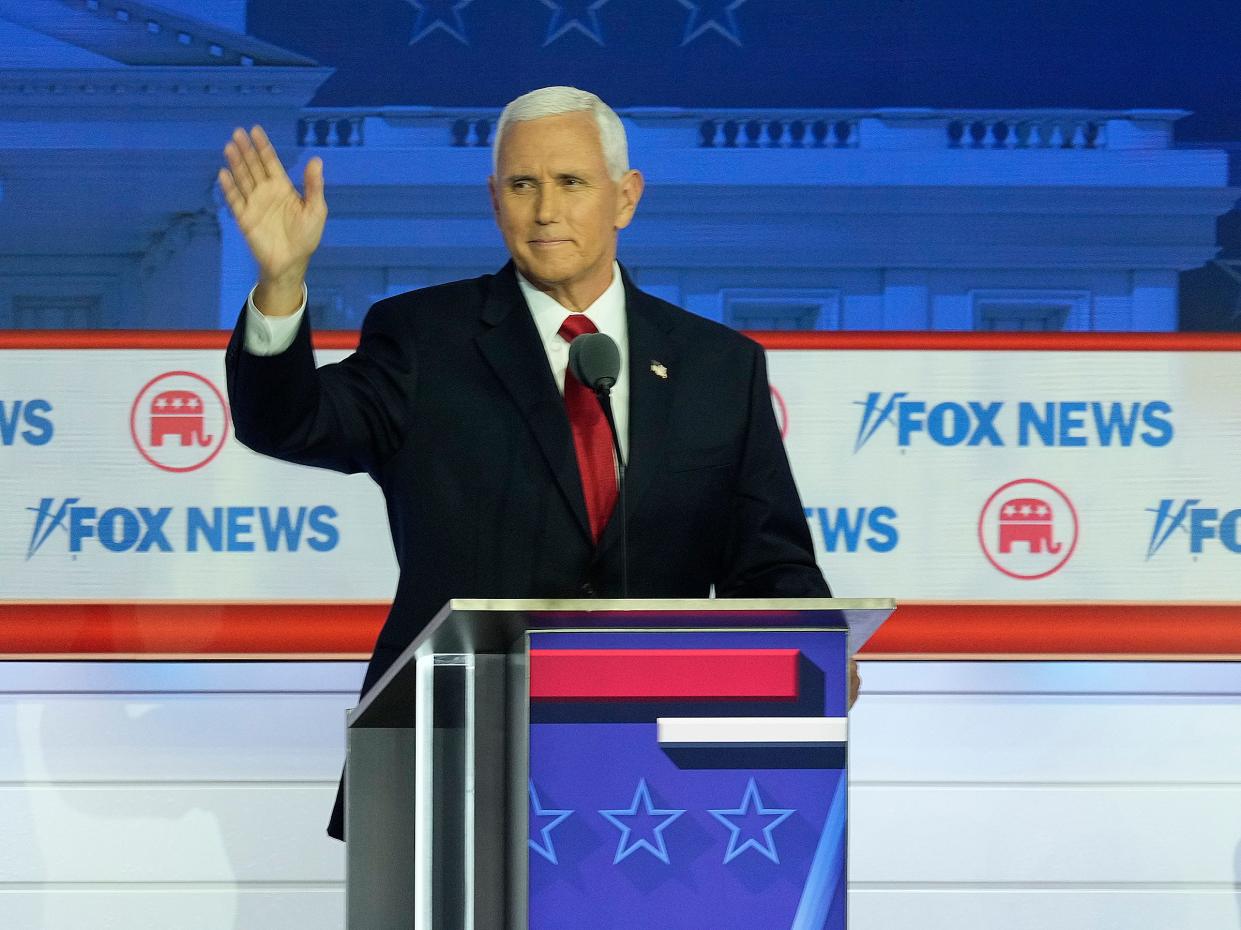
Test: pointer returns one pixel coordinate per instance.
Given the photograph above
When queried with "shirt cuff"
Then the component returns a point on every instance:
(271, 335)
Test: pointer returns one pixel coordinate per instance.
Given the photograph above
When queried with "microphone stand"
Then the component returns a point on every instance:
(603, 390)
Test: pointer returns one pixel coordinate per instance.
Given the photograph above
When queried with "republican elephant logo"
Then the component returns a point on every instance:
(1028, 529)
(1028, 520)
(178, 414)
(179, 421)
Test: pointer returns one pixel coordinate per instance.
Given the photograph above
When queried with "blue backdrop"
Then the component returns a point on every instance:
(777, 53)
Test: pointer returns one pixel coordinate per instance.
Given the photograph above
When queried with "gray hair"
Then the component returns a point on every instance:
(553, 101)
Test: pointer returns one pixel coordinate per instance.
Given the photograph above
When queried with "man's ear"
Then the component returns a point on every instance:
(628, 192)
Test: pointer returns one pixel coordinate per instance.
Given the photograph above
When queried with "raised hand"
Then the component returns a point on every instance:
(282, 227)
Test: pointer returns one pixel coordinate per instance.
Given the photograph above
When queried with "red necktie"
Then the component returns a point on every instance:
(592, 439)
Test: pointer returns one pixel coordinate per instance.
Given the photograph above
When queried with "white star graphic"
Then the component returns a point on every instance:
(439, 14)
(176, 402)
(721, 17)
(582, 15)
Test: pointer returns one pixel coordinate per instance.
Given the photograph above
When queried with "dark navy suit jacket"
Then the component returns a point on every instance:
(450, 405)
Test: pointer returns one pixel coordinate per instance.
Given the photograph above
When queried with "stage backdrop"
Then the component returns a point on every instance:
(942, 474)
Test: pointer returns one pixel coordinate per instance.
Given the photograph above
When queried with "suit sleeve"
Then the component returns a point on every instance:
(349, 416)
(769, 552)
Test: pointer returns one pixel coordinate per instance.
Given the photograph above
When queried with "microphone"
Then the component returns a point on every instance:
(594, 360)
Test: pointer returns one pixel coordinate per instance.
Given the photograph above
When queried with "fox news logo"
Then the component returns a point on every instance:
(848, 529)
(994, 423)
(1202, 525)
(196, 529)
(25, 421)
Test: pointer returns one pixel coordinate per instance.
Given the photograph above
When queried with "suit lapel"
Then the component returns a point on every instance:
(511, 346)
(650, 397)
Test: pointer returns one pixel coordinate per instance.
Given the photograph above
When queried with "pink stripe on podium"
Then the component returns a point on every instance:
(663, 674)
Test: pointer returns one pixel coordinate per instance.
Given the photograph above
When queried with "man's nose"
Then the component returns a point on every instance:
(547, 206)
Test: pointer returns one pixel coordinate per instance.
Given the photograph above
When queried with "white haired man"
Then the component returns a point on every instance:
(498, 479)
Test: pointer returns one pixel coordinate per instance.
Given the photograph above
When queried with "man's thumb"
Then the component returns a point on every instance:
(312, 181)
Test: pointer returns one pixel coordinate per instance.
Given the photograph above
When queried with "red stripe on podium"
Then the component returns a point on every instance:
(663, 674)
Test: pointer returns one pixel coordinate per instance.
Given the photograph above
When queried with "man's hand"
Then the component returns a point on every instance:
(855, 683)
(282, 227)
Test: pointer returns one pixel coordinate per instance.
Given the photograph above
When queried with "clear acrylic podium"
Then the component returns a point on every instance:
(600, 763)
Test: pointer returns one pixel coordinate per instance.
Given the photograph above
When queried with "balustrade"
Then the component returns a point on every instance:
(331, 130)
(1017, 132)
(1017, 129)
(778, 133)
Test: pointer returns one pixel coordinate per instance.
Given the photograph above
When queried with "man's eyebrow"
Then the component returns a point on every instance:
(513, 178)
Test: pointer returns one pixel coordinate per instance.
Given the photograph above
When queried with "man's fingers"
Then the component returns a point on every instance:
(312, 182)
(266, 153)
(249, 155)
(237, 165)
(237, 170)
(232, 196)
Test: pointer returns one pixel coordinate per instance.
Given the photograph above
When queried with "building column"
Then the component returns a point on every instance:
(906, 299)
(177, 286)
(238, 270)
(1154, 299)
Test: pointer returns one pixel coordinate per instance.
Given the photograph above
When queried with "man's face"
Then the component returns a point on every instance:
(556, 206)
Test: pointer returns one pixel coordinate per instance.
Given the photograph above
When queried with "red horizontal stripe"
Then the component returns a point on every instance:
(1069, 630)
(806, 340)
(147, 339)
(663, 674)
(915, 631)
(189, 629)
(1000, 342)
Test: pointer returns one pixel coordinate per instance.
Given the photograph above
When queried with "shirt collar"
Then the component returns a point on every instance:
(607, 312)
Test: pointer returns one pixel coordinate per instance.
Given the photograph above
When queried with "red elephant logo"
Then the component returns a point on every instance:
(1028, 520)
(179, 414)
(179, 421)
(1028, 529)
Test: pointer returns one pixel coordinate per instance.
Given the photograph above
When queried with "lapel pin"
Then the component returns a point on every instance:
(660, 369)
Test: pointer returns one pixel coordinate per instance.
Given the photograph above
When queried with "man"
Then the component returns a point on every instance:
(498, 476)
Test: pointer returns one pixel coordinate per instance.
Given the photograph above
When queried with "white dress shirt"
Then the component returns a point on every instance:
(271, 335)
(608, 315)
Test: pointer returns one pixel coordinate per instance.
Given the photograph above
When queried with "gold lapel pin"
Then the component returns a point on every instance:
(660, 369)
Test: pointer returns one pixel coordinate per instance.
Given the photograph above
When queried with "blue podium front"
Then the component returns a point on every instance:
(556, 765)
(669, 788)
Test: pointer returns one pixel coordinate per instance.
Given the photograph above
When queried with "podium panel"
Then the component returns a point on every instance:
(612, 764)
(668, 788)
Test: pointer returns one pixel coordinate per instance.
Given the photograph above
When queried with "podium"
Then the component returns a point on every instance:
(557, 764)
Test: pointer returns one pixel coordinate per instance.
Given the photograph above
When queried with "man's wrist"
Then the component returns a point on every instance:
(271, 335)
(279, 297)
